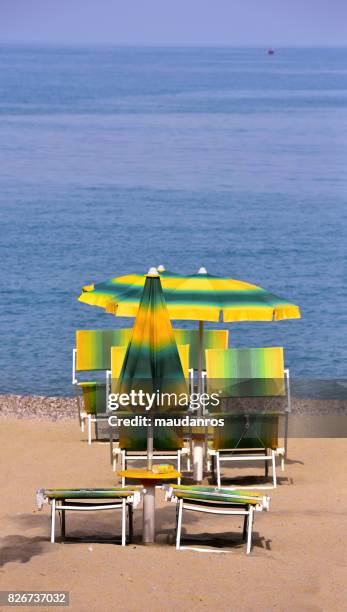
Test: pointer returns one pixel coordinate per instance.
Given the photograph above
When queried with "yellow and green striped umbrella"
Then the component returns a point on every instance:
(152, 363)
(152, 353)
(201, 296)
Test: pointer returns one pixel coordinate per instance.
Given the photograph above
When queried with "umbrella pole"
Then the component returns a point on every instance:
(200, 355)
(199, 438)
(150, 445)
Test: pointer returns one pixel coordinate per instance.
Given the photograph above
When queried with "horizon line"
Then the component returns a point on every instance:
(176, 45)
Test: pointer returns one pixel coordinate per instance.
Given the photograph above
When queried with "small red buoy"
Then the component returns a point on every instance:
(270, 52)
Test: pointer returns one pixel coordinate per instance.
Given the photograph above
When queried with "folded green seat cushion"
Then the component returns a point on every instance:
(214, 494)
(133, 493)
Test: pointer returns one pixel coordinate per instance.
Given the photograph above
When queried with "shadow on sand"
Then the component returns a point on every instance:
(20, 549)
(165, 528)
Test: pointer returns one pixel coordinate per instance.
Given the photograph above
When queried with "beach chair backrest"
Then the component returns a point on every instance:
(212, 339)
(93, 347)
(246, 372)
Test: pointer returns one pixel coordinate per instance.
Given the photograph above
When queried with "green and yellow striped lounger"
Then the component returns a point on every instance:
(214, 500)
(93, 354)
(118, 498)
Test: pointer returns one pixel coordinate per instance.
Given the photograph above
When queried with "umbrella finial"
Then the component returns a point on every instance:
(152, 272)
(161, 268)
(202, 271)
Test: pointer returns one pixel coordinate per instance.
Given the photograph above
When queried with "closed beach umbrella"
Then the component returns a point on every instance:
(152, 363)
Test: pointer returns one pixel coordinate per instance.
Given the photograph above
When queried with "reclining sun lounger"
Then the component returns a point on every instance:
(124, 499)
(93, 354)
(256, 373)
(216, 501)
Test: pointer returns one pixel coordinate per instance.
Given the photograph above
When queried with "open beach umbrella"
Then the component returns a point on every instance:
(201, 296)
(152, 363)
(205, 297)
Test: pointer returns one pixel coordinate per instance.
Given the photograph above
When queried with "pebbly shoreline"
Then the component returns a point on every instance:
(65, 408)
(38, 407)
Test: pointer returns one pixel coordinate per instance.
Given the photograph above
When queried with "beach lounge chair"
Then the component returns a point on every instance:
(214, 500)
(248, 436)
(81, 500)
(93, 354)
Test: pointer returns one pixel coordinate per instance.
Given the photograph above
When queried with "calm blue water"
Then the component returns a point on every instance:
(117, 159)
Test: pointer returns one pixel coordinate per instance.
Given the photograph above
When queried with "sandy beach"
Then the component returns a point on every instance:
(298, 561)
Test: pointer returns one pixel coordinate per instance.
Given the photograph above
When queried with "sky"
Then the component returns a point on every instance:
(175, 22)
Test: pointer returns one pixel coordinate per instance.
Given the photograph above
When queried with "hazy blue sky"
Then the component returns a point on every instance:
(231, 22)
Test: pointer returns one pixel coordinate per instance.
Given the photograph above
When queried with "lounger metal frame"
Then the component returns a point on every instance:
(84, 416)
(217, 457)
(216, 507)
(61, 505)
(125, 456)
(255, 454)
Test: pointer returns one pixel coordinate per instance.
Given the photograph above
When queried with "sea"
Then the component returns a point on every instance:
(116, 159)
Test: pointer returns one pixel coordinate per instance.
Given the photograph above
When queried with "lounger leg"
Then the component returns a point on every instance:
(82, 424)
(124, 508)
(63, 521)
(177, 508)
(245, 521)
(52, 521)
(179, 524)
(286, 433)
(213, 469)
(179, 466)
(249, 530)
(266, 466)
(218, 471)
(131, 522)
(89, 429)
(274, 469)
